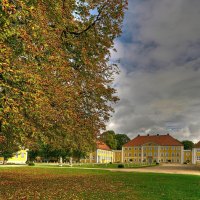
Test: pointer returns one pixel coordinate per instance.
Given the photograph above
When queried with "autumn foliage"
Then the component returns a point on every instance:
(55, 74)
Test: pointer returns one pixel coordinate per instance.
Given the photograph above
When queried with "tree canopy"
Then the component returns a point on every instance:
(121, 140)
(188, 145)
(55, 74)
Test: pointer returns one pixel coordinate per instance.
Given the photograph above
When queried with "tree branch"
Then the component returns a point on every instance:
(98, 18)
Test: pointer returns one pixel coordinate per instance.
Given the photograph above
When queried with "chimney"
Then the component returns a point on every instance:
(147, 134)
(157, 134)
(138, 135)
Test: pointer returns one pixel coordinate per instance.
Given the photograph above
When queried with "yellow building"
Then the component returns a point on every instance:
(196, 154)
(153, 148)
(19, 158)
(187, 156)
(117, 156)
(102, 154)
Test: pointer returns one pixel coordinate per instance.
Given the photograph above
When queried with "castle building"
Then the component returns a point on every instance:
(153, 148)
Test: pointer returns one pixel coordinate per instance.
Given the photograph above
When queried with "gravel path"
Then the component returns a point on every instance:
(166, 168)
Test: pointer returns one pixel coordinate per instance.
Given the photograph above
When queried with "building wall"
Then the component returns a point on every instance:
(104, 156)
(99, 156)
(198, 156)
(132, 154)
(19, 158)
(117, 156)
(151, 152)
(187, 156)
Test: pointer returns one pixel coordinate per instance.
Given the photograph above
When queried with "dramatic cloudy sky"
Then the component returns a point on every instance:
(159, 83)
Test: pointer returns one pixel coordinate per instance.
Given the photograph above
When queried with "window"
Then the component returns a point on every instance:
(135, 154)
(144, 154)
(155, 154)
(129, 148)
(129, 154)
(198, 158)
(135, 148)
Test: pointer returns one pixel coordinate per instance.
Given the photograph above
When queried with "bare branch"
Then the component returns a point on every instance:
(98, 18)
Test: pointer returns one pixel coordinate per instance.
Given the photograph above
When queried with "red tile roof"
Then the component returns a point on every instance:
(197, 145)
(162, 140)
(101, 145)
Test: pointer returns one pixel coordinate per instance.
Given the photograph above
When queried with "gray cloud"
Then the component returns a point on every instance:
(160, 78)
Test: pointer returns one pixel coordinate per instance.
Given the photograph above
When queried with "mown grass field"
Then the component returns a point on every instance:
(76, 184)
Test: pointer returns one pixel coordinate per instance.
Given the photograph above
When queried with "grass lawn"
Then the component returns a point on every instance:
(71, 183)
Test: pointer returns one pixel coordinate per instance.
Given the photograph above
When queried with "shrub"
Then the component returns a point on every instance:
(111, 163)
(31, 163)
(120, 166)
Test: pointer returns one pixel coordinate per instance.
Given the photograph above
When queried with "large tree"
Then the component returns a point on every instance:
(121, 140)
(55, 75)
(109, 138)
(113, 140)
